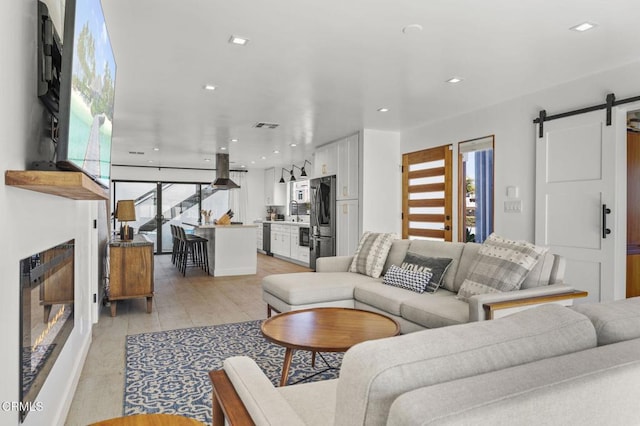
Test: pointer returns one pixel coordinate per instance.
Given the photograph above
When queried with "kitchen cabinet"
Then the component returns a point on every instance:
(326, 160)
(347, 227)
(348, 168)
(295, 244)
(281, 239)
(274, 192)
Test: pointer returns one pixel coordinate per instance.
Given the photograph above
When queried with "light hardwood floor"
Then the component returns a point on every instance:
(179, 302)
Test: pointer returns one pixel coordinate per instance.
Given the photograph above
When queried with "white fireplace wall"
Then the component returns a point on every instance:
(31, 222)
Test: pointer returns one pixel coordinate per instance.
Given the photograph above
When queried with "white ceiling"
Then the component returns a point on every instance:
(322, 68)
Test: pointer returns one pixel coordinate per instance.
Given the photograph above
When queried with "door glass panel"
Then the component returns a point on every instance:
(181, 205)
(476, 189)
(145, 198)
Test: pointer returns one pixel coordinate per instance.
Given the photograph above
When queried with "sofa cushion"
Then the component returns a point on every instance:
(436, 265)
(312, 287)
(371, 253)
(451, 250)
(500, 265)
(598, 386)
(315, 403)
(375, 373)
(435, 310)
(396, 254)
(614, 321)
(416, 281)
(384, 297)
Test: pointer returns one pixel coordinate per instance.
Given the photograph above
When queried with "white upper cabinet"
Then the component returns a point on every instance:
(348, 169)
(274, 193)
(326, 160)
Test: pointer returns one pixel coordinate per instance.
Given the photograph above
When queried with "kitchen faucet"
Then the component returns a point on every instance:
(297, 210)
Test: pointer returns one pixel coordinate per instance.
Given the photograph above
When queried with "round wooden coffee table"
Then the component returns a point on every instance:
(325, 330)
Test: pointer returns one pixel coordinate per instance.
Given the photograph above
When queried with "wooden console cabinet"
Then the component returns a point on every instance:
(131, 271)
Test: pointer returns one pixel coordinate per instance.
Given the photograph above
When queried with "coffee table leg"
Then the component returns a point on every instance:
(313, 359)
(285, 368)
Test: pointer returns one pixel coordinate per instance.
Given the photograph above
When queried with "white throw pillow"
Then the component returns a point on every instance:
(372, 253)
(500, 265)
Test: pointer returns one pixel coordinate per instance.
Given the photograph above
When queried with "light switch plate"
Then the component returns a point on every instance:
(513, 206)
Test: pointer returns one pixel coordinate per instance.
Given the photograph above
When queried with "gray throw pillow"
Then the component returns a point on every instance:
(500, 265)
(436, 265)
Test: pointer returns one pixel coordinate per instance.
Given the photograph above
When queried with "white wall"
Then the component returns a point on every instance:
(32, 222)
(515, 138)
(381, 181)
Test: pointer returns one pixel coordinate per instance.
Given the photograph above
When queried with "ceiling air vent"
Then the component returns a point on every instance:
(136, 152)
(261, 125)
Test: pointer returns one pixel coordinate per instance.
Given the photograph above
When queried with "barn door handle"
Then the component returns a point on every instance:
(605, 212)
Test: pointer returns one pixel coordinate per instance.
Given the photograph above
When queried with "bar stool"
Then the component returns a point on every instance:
(176, 244)
(192, 246)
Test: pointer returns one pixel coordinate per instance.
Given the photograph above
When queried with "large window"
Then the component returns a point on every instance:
(161, 204)
(475, 189)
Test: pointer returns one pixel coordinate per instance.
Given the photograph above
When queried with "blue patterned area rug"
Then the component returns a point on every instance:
(167, 371)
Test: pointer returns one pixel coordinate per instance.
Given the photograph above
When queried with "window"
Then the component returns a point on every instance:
(475, 189)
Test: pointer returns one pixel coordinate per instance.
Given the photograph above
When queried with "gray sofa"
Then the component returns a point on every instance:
(332, 285)
(547, 365)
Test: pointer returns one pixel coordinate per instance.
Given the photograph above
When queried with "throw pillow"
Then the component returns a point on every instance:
(436, 265)
(500, 265)
(371, 253)
(417, 281)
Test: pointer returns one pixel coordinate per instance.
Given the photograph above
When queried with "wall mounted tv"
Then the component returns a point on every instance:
(86, 90)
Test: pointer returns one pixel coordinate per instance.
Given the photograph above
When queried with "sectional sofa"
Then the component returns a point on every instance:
(548, 365)
(333, 285)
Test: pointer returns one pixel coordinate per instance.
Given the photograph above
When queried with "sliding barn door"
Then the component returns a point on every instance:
(426, 194)
(575, 198)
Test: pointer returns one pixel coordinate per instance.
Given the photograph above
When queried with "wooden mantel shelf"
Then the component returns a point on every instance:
(74, 185)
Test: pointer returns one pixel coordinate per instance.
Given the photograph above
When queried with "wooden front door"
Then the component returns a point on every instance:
(426, 194)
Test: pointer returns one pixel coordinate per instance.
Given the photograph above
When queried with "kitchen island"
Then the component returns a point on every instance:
(232, 248)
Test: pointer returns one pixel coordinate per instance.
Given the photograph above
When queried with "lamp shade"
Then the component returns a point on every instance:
(125, 210)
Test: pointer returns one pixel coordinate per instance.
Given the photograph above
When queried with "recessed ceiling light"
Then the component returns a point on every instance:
(207, 159)
(412, 29)
(275, 151)
(383, 109)
(253, 162)
(243, 166)
(240, 41)
(151, 161)
(454, 80)
(234, 140)
(156, 149)
(224, 148)
(263, 158)
(585, 26)
(209, 87)
(293, 144)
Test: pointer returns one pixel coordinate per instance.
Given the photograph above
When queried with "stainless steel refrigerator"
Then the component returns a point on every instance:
(323, 219)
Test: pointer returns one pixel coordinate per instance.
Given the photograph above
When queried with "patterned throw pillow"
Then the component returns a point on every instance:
(372, 253)
(500, 265)
(436, 265)
(417, 281)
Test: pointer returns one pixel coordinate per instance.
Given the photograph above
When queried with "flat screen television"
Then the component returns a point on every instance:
(87, 92)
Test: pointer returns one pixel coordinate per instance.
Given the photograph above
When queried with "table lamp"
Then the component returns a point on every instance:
(125, 212)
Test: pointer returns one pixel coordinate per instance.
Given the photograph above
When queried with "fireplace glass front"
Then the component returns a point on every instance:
(47, 295)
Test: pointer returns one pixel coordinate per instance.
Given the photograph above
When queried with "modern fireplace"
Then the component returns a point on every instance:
(46, 311)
